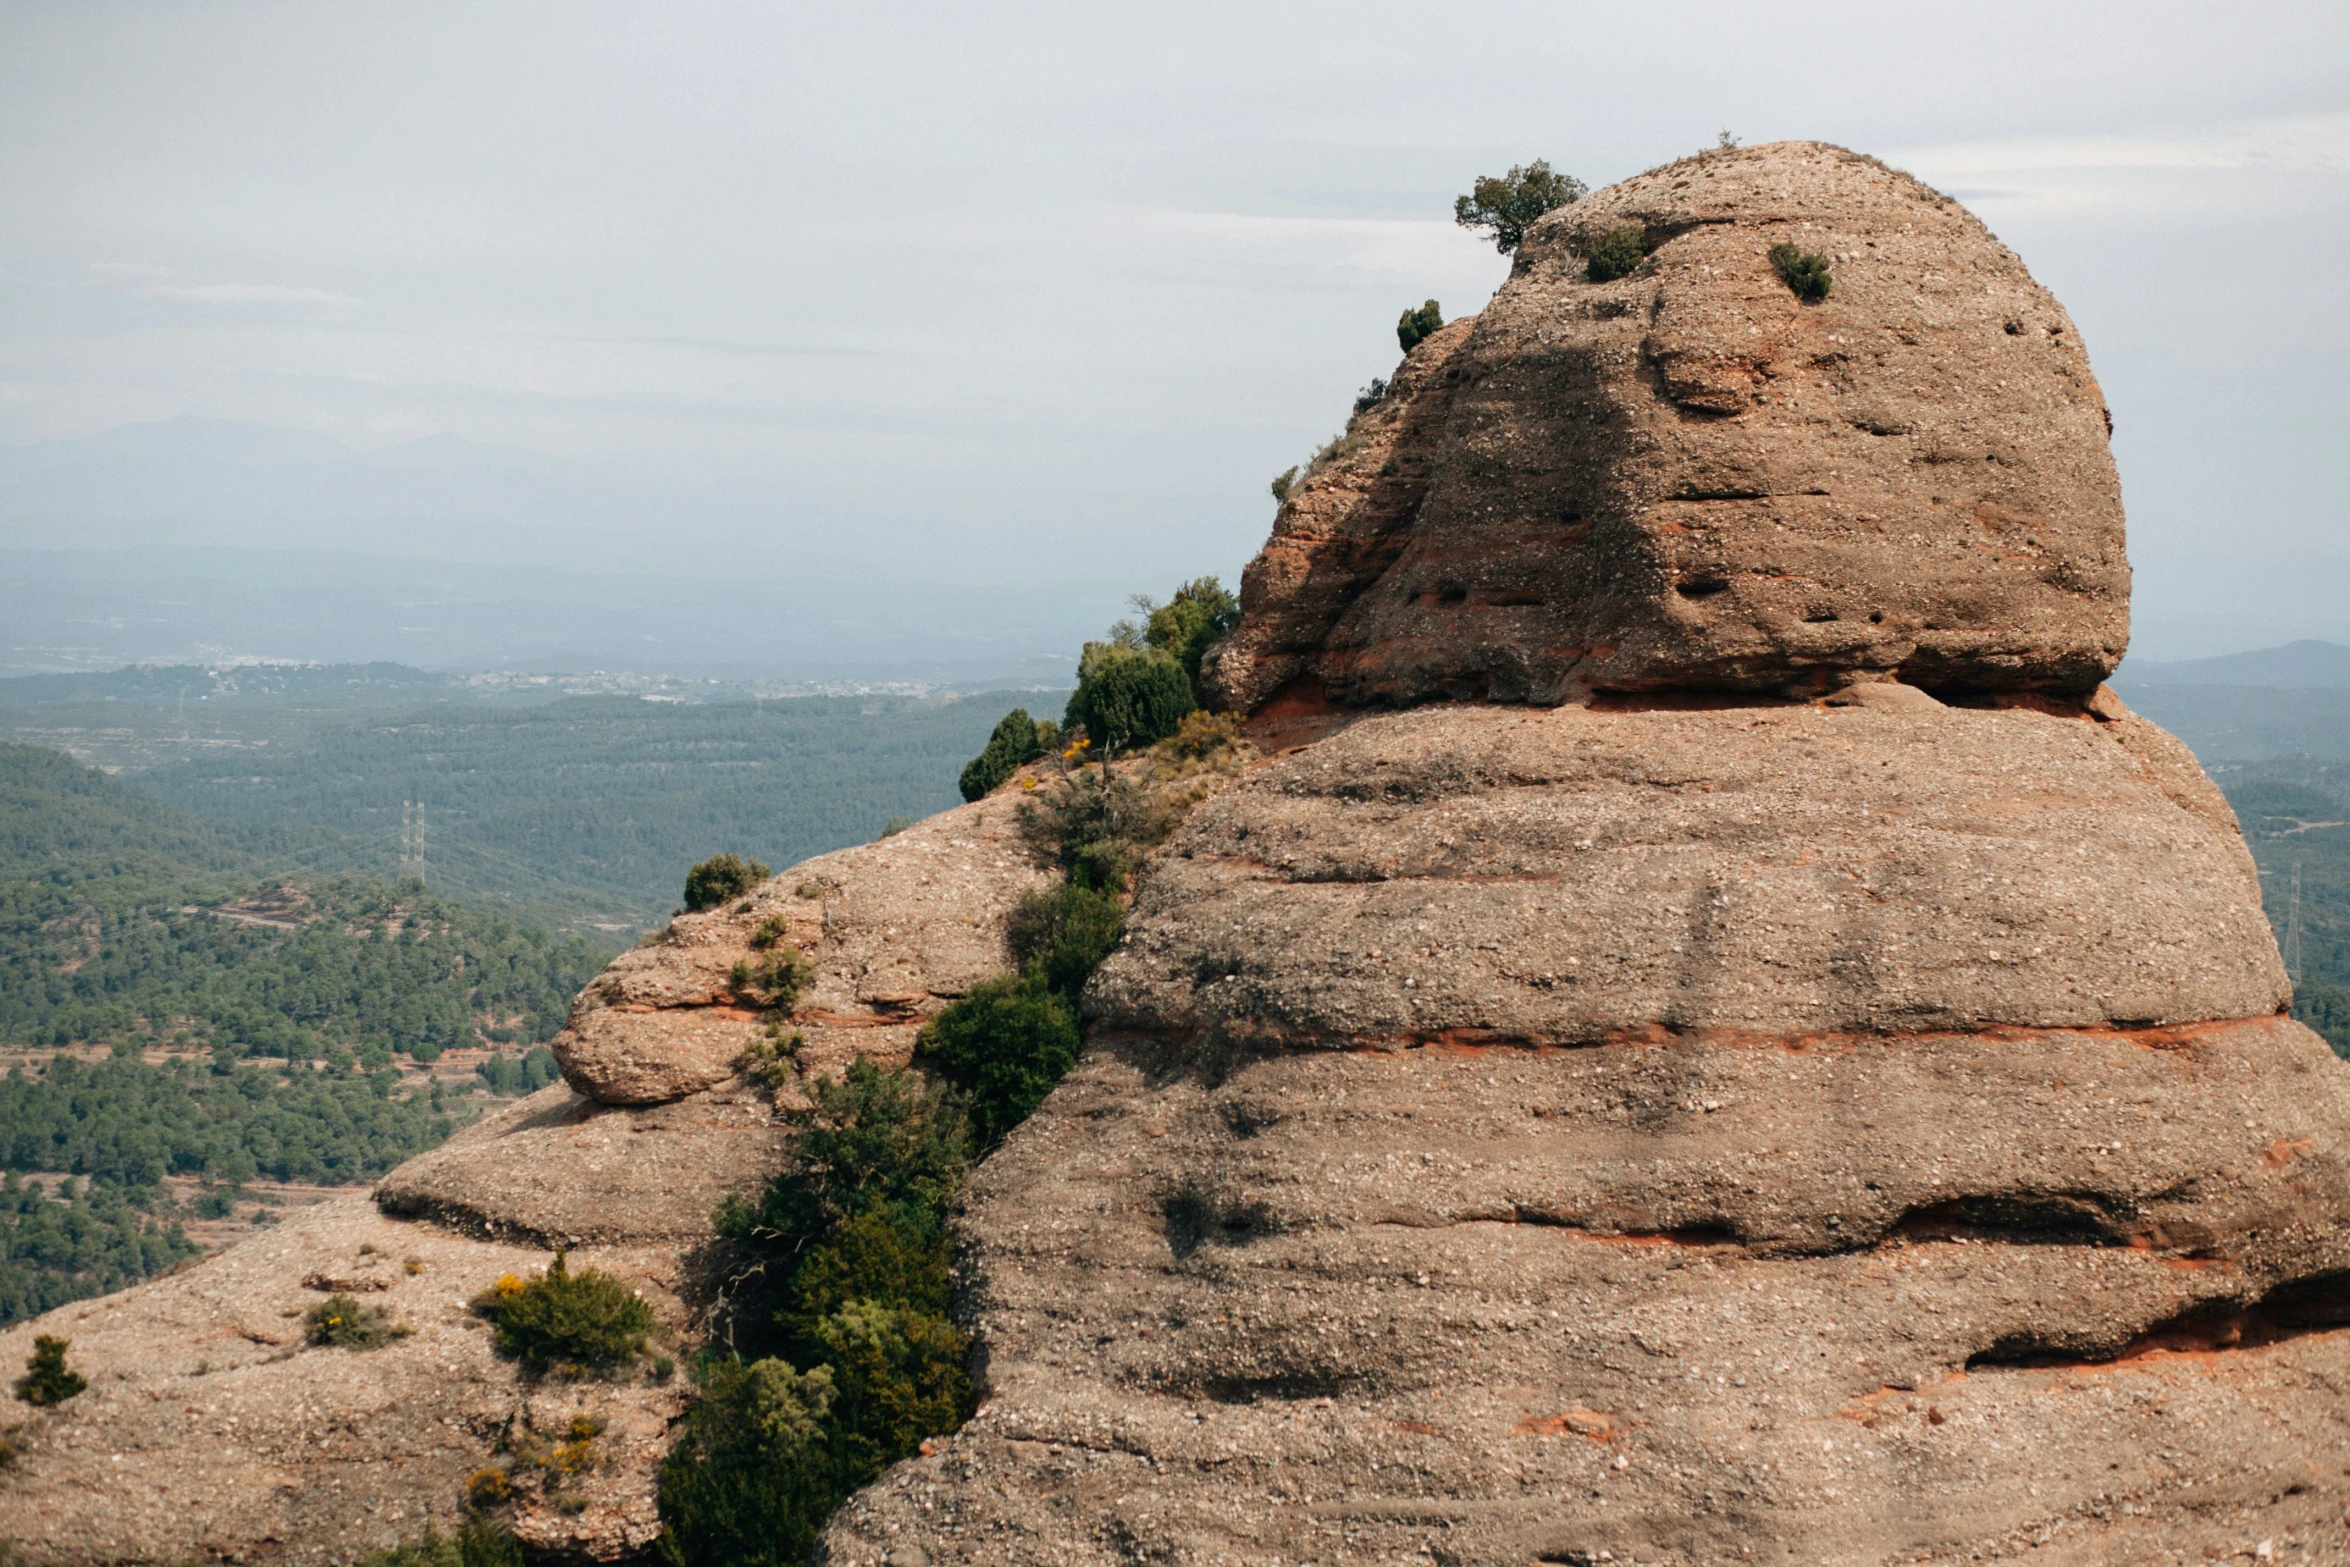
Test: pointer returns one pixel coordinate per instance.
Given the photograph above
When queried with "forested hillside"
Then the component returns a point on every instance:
(122, 919)
(277, 1004)
(2296, 818)
(576, 814)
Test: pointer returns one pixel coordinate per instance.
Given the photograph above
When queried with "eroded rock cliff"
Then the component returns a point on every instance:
(1712, 1038)
(1689, 478)
(1789, 1069)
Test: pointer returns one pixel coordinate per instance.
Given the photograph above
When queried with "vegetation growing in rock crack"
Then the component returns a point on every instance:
(343, 1322)
(1372, 395)
(1505, 206)
(1416, 325)
(722, 878)
(567, 1323)
(1096, 824)
(1615, 253)
(1018, 740)
(48, 1381)
(1064, 932)
(1282, 483)
(840, 1354)
(845, 1358)
(776, 980)
(1006, 1044)
(1803, 271)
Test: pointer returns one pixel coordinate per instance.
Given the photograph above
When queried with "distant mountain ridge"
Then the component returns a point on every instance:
(2306, 665)
(201, 540)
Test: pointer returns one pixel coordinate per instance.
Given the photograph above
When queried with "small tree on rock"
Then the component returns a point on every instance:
(1804, 271)
(1018, 740)
(721, 879)
(1414, 325)
(1128, 697)
(1200, 615)
(1505, 207)
(48, 1381)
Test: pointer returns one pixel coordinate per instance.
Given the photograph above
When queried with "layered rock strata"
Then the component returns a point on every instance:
(894, 930)
(1790, 1070)
(1688, 477)
(211, 1431)
(1780, 1133)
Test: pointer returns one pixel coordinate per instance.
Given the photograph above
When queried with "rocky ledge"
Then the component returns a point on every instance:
(211, 1431)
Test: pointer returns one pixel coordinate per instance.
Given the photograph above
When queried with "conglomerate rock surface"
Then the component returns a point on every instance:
(1765, 1060)
(895, 930)
(211, 1431)
(1689, 477)
(1789, 1132)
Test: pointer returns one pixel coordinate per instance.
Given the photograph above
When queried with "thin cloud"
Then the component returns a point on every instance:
(254, 294)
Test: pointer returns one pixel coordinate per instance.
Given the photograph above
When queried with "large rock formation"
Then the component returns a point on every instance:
(1789, 1069)
(1805, 1083)
(1689, 478)
(210, 1431)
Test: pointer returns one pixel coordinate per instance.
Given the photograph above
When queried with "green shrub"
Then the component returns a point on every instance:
(721, 879)
(1505, 207)
(342, 1322)
(1372, 395)
(1200, 615)
(1615, 253)
(777, 980)
(1806, 272)
(897, 1375)
(1128, 697)
(1415, 325)
(1097, 826)
(1065, 931)
(1202, 738)
(770, 932)
(873, 1138)
(48, 1381)
(1005, 1045)
(567, 1321)
(896, 1254)
(1018, 740)
(772, 1059)
(1282, 483)
(753, 1475)
(479, 1543)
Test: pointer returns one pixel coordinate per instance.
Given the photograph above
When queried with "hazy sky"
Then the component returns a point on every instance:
(1036, 265)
